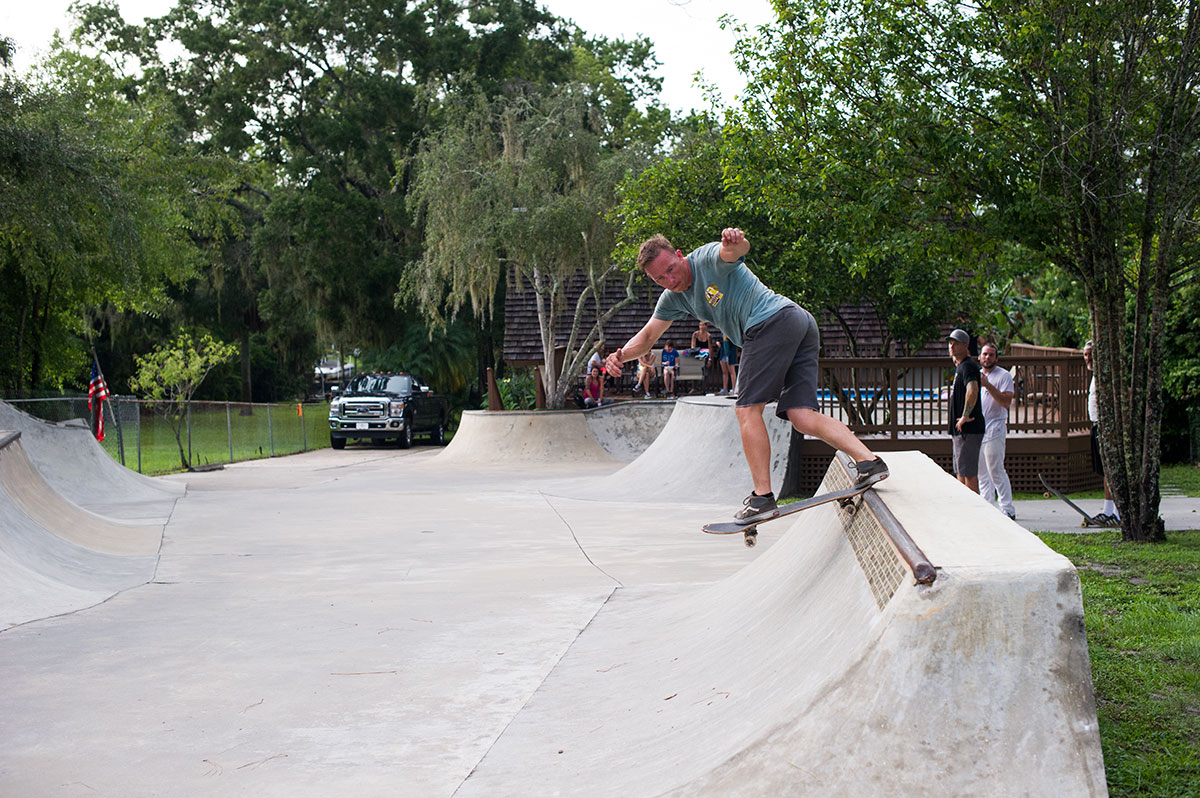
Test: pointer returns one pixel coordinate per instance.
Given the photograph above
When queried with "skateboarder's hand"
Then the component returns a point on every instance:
(613, 362)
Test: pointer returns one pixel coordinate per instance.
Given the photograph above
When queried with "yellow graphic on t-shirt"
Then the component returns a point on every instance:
(713, 295)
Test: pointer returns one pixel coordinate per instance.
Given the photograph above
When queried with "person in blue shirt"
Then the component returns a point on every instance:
(779, 340)
(670, 356)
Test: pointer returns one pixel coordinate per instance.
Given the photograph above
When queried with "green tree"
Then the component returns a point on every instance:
(1068, 129)
(521, 187)
(324, 96)
(812, 237)
(323, 102)
(170, 374)
(97, 208)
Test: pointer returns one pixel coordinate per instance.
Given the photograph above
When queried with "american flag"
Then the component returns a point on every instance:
(97, 393)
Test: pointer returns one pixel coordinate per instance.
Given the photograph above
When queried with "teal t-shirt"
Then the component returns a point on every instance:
(728, 295)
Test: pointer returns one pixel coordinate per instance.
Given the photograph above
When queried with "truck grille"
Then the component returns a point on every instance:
(364, 410)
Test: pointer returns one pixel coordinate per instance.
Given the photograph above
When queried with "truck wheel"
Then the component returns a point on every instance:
(406, 436)
(438, 436)
(337, 443)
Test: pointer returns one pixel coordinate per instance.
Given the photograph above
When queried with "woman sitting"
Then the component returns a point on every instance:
(593, 389)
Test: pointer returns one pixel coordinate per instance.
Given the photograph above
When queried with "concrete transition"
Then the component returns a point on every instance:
(824, 668)
(55, 556)
(78, 468)
(619, 432)
(698, 456)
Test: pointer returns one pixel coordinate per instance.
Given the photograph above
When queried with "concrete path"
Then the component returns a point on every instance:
(1052, 515)
(377, 622)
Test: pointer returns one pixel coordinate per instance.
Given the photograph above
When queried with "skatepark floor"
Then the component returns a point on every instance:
(333, 623)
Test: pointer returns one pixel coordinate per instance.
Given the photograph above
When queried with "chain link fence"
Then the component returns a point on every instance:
(143, 436)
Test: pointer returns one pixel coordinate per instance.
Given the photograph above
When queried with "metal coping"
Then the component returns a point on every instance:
(923, 571)
(8, 436)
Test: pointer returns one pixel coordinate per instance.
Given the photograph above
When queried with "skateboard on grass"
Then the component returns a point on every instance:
(1087, 519)
(844, 497)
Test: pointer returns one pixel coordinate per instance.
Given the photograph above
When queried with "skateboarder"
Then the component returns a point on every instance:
(779, 341)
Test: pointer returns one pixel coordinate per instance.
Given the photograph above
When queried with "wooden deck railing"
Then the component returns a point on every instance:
(909, 397)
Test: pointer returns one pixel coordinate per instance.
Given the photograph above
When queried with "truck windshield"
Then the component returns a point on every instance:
(380, 383)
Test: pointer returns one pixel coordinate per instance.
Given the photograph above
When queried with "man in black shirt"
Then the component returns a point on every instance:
(966, 416)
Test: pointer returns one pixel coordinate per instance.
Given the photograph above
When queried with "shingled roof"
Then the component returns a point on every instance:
(868, 331)
(523, 343)
(522, 337)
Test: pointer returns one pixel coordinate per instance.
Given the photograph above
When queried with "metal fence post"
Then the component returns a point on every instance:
(270, 430)
(116, 406)
(229, 430)
(138, 405)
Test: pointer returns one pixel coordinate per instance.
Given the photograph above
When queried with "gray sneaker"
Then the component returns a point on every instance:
(868, 472)
(757, 508)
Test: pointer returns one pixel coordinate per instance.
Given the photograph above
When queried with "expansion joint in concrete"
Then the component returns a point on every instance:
(575, 537)
(540, 684)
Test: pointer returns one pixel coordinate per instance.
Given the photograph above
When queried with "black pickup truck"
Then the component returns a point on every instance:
(380, 406)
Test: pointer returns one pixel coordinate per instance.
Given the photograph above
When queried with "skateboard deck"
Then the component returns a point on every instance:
(1087, 519)
(844, 497)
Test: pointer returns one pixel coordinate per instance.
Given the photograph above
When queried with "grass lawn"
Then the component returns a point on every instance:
(250, 432)
(1142, 609)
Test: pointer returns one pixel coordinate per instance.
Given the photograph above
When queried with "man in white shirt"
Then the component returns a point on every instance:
(997, 386)
(1109, 515)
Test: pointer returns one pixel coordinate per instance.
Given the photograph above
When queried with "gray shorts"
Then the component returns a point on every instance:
(779, 361)
(966, 454)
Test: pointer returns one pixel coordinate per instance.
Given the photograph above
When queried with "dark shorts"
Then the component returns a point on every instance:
(1097, 463)
(779, 361)
(966, 454)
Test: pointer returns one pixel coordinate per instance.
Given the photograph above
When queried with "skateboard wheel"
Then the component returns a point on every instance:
(751, 539)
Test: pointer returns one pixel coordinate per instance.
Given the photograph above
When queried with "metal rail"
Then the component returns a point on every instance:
(7, 437)
(922, 570)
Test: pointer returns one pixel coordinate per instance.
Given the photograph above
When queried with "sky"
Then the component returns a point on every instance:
(686, 35)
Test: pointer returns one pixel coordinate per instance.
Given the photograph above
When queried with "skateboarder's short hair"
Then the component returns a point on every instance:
(650, 249)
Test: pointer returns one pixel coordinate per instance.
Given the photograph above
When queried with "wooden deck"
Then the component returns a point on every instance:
(898, 404)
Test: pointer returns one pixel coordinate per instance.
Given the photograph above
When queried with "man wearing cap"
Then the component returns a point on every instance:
(995, 399)
(966, 418)
(780, 343)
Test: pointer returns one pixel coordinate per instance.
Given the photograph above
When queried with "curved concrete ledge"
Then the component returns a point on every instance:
(617, 432)
(823, 668)
(697, 457)
(29, 491)
(56, 557)
(77, 467)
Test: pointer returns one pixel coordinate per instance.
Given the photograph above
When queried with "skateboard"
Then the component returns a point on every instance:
(844, 497)
(1087, 519)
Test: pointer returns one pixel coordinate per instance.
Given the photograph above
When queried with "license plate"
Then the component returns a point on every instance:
(362, 425)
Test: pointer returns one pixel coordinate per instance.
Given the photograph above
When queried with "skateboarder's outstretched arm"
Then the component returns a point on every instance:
(636, 346)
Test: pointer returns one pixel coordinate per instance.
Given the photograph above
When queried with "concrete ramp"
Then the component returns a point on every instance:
(615, 433)
(56, 557)
(80, 470)
(823, 667)
(699, 455)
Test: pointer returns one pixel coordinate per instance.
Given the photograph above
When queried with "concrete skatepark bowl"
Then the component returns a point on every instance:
(458, 622)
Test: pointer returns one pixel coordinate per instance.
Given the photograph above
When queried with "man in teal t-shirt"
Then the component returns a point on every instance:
(779, 339)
